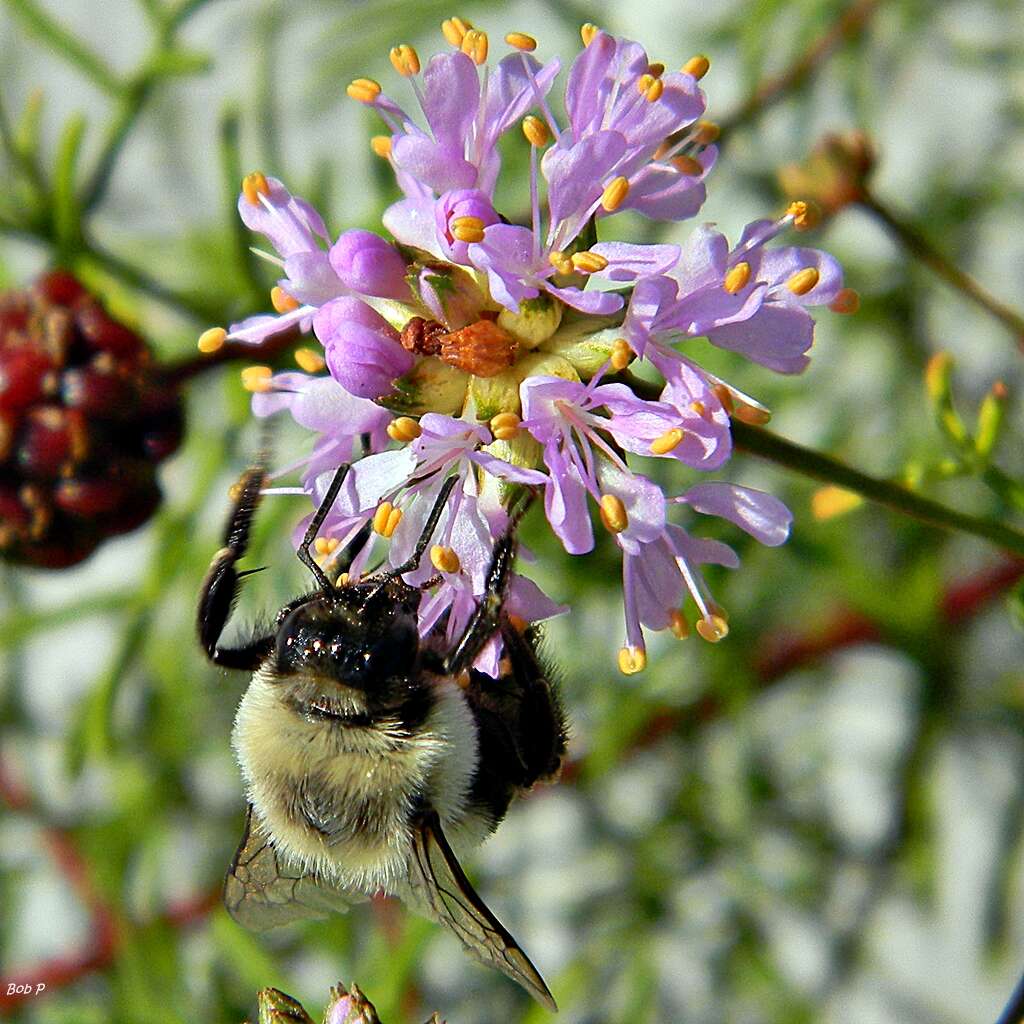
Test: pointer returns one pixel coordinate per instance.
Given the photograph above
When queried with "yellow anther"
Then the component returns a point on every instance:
(697, 66)
(654, 91)
(713, 628)
(281, 300)
(687, 165)
(444, 559)
(212, 340)
(561, 262)
(678, 624)
(365, 90)
(666, 442)
(505, 425)
(536, 131)
(847, 300)
(736, 278)
(589, 262)
(308, 360)
(644, 82)
(381, 145)
(724, 395)
(615, 193)
(656, 69)
(521, 41)
(831, 501)
(622, 354)
(752, 414)
(405, 60)
(254, 185)
(386, 519)
(662, 151)
(613, 513)
(587, 32)
(454, 30)
(326, 545)
(700, 409)
(257, 379)
(705, 132)
(468, 229)
(803, 280)
(518, 623)
(474, 44)
(632, 660)
(806, 215)
(404, 429)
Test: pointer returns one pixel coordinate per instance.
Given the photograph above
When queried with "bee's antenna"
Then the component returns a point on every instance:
(314, 528)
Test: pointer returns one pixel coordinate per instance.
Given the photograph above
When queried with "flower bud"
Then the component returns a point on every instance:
(587, 343)
(834, 175)
(430, 386)
(536, 321)
(368, 264)
(451, 294)
(350, 1007)
(275, 1007)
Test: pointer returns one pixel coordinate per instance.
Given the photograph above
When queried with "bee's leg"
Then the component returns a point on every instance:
(486, 620)
(220, 588)
(305, 556)
(413, 561)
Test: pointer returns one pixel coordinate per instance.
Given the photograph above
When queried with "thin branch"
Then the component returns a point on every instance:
(820, 466)
(770, 91)
(919, 246)
(50, 31)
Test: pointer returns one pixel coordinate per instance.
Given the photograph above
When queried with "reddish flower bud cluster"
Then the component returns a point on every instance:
(84, 419)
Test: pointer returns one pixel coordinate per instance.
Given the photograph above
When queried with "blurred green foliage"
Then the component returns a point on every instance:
(747, 833)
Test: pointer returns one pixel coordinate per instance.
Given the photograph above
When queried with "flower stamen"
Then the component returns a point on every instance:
(445, 559)
(803, 280)
(386, 519)
(468, 229)
(536, 131)
(712, 628)
(521, 41)
(505, 426)
(687, 165)
(364, 90)
(697, 66)
(257, 379)
(805, 215)
(282, 301)
(404, 429)
(613, 513)
(561, 262)
(588, 262)
(632, 660)
(678, 624)
(587, 32)
(847, 300)
(622, 354)
(706, 133)
(667, 442)
(615, 193)
(308, 360)
(381, 146)
(254, 185)
(474, 45)
(212, 340)
(405, 60)
(454, 30)
(737, 277)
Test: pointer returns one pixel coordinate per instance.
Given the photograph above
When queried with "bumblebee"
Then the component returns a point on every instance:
(371, 756)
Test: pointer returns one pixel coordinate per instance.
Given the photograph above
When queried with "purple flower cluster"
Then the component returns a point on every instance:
(498, 353)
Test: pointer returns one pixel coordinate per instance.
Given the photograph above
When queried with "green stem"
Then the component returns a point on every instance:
(808, 462)
(928, 254)
(55, 35)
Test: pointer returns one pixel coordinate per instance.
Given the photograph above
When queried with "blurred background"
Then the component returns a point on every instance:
(818, 819)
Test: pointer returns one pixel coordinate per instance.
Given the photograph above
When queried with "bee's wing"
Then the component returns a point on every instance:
(441, 889)
(262, 890)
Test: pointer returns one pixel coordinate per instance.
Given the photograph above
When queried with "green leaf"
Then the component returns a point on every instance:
(66, 207)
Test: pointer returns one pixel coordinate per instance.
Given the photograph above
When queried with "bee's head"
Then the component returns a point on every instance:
(362, 636)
